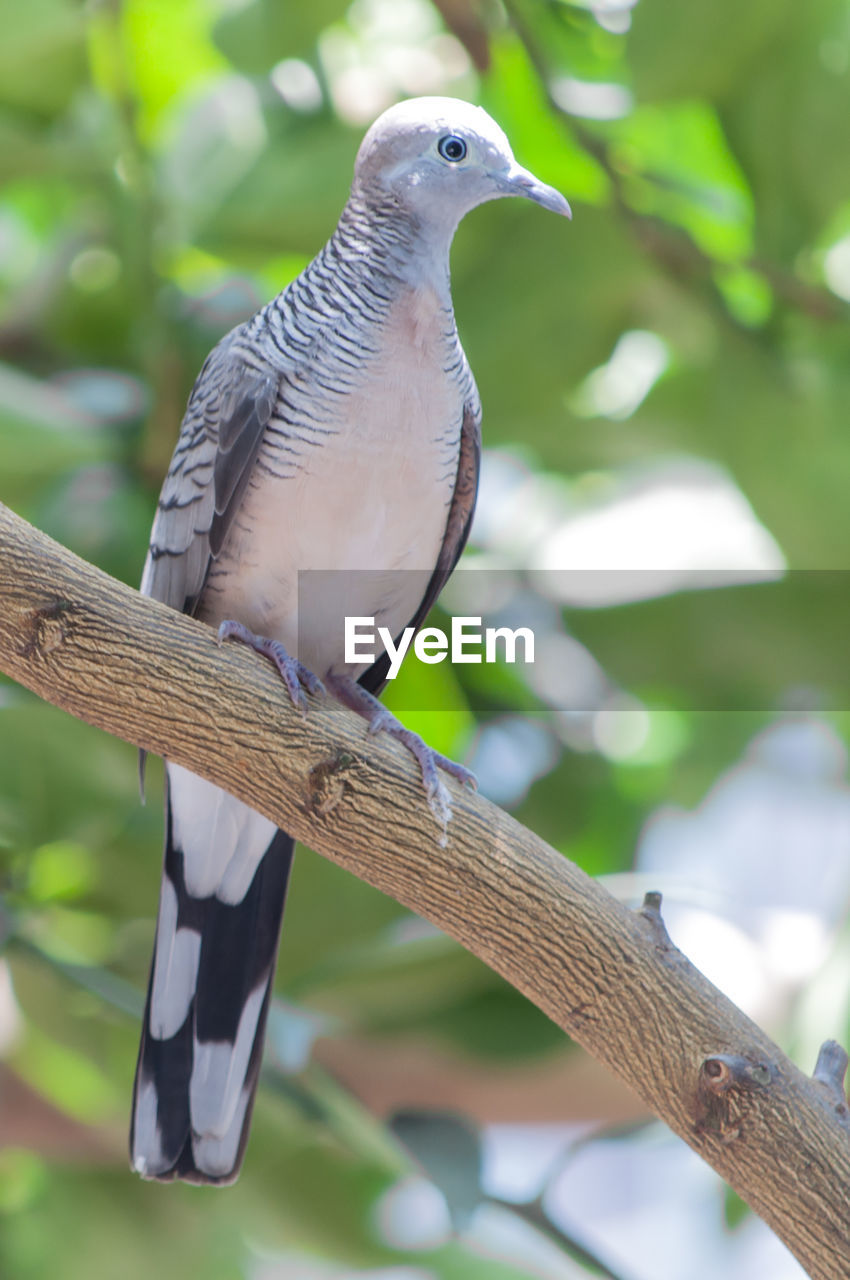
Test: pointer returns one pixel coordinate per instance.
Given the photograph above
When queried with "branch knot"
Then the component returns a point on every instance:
(48, 629)
(725, 1079)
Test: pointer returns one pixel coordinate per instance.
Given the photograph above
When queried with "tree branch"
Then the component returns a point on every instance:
(609, 976)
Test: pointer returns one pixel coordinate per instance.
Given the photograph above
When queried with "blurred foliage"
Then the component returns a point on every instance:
(166, 165)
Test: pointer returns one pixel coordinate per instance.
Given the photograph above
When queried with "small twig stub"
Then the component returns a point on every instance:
(650, 911)
(830, 1070)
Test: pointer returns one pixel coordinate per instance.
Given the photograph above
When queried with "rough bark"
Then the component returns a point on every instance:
(610, 977)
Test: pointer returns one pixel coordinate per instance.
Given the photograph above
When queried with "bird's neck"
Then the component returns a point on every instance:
(381, 236)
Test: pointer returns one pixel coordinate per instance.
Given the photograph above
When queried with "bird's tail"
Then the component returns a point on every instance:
(210, 986)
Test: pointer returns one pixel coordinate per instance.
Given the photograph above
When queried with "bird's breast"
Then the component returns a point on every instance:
(356, 477)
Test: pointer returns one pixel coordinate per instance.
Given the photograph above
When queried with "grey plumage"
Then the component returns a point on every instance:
(338, 429)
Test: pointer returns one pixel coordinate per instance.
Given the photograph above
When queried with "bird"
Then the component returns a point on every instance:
(336, 431)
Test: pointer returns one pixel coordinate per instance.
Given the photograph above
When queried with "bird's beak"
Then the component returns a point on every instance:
(519, 182)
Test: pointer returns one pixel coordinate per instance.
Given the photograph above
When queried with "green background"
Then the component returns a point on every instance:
(164, 170)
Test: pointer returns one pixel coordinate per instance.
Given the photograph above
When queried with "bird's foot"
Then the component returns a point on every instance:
(293, 673)
(430, 762)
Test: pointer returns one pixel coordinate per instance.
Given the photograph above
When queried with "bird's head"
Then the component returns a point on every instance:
(440, 157)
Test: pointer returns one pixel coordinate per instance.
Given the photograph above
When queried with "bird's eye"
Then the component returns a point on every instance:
(452, 148)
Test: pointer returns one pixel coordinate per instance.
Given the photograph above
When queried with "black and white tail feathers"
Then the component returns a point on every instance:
(221, 904)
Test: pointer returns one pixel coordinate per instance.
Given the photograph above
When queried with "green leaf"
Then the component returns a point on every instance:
(254, 36)
(385, 983)
(448, 1147)
(69, 1079)
(735, 1210)
(171, 51)
(60, 870)
(677, 165)
(42, 54)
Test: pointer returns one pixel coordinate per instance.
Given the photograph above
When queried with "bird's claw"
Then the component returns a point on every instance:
(295, 676)
(430, 762)
(463, 775)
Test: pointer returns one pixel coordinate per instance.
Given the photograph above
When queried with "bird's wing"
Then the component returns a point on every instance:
(220, 437)
(214, 956)
(458, 525)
